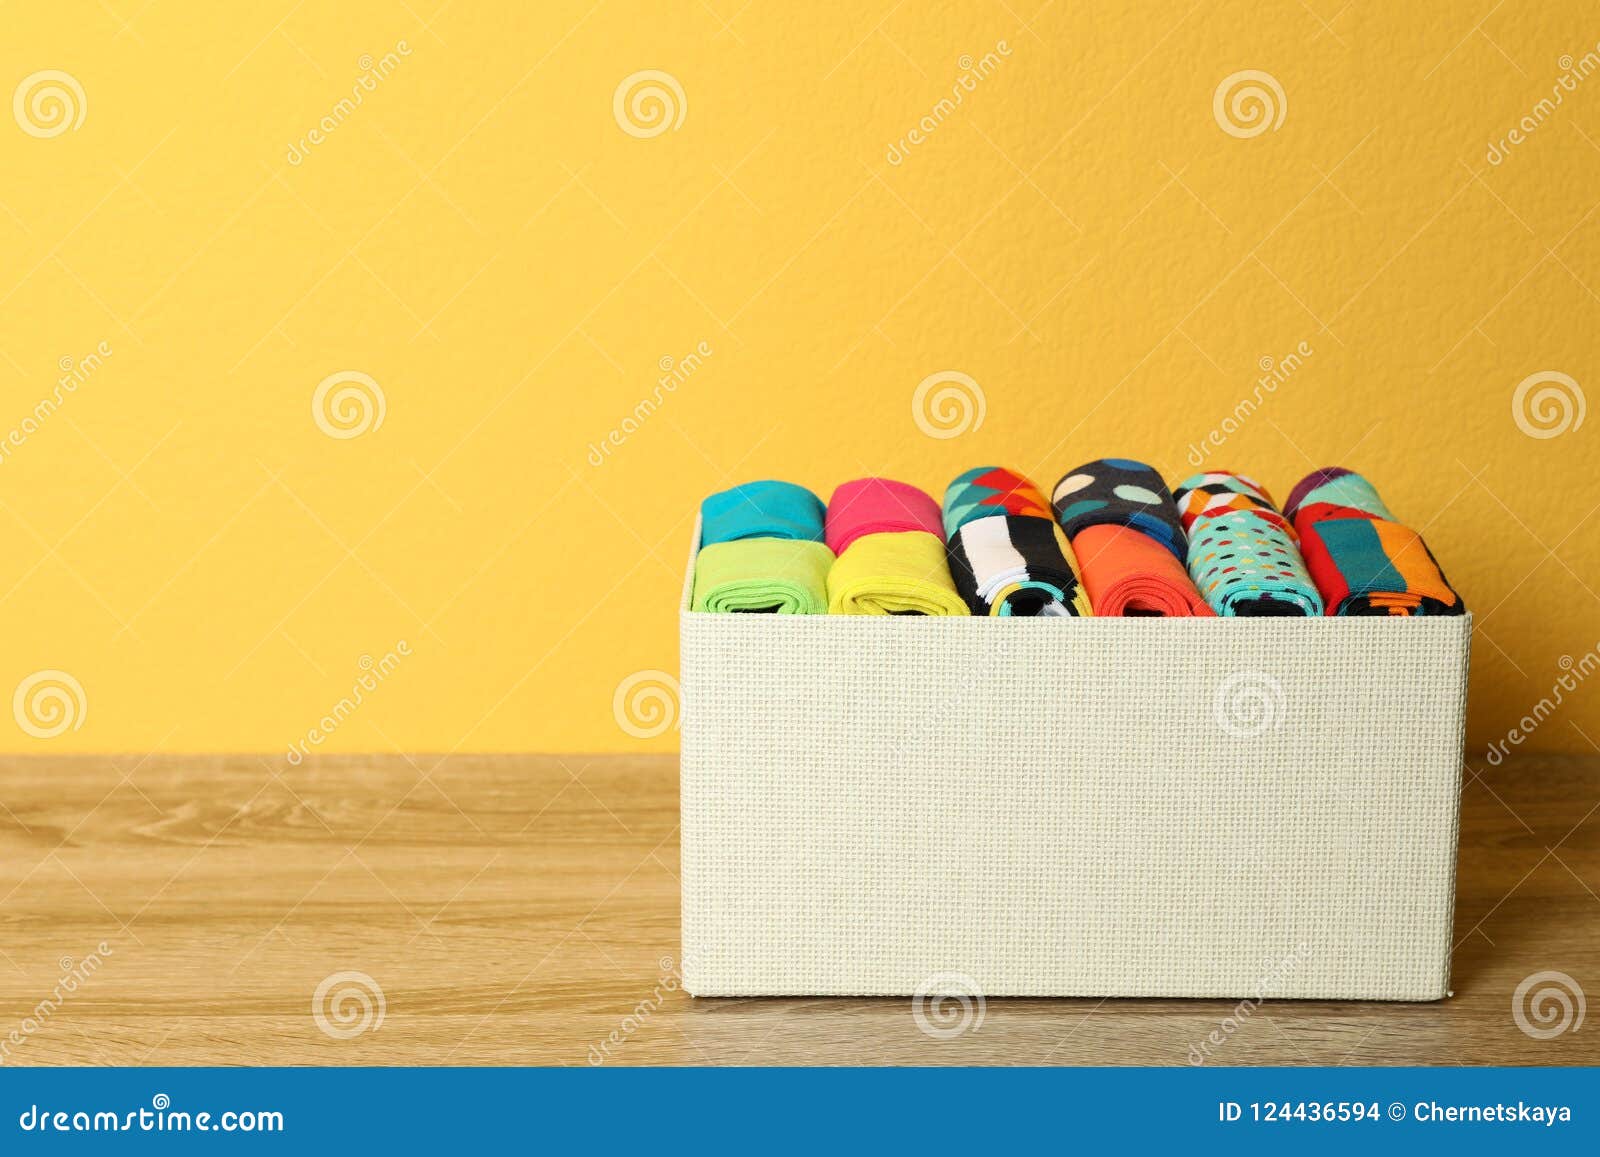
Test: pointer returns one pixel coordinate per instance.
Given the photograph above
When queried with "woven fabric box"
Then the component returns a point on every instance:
(1070, 807)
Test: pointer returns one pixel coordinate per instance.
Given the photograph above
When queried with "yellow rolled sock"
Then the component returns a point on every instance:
(893, 573)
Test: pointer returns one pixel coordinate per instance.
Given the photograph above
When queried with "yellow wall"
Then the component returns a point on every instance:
(482, 238)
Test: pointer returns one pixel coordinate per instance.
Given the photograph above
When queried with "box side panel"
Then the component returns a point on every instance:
(1076, 807)
(1463, 647)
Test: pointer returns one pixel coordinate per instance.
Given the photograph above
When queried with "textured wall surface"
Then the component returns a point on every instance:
(390, 348)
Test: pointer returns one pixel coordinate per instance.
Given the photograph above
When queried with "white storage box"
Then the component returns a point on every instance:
(1070, 807)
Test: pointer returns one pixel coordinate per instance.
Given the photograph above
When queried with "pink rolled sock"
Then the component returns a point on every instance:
(877, 505)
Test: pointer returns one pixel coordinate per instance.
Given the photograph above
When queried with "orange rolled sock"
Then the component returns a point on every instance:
(1128, 573)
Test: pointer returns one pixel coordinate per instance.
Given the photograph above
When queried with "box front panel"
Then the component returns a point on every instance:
(1070, 807)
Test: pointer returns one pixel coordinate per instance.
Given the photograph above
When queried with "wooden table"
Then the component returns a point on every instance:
(521, 909)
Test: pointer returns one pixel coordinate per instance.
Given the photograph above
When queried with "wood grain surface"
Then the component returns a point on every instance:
(522, 909)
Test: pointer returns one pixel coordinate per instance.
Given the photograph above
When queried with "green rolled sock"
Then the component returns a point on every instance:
(776, 575)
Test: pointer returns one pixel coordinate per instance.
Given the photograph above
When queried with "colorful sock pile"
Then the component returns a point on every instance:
(1111, 541)
(761, 550)
(1242, 552)
(891, 556)
(1362, 561)
(1006, 553)
(1128, 539)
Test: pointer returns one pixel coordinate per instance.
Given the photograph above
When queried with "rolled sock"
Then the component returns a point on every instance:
(1362, 561)
(1128, 573)
(893, 573)
(1246, 566)
(783, 576)
(1336, 486)
(1007, 555)
(1016, 565)
(1219, 492)
(877, 506)
(986, 491)
(1242, 552)
(766, 509)
(1118, 492)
